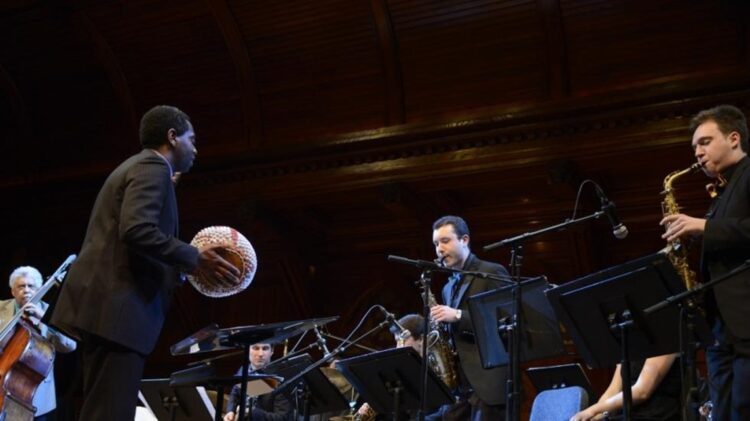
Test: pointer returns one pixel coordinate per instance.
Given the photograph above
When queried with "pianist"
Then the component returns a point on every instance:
(264, 407)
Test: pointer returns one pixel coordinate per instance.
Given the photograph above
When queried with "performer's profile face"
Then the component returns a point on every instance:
(449, 247)
(713, 149)
(184, 151)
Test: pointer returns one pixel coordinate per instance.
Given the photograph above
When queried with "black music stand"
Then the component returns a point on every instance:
(176, 404)
(318, 394)
(588, 306)
(604, 313)
(491, 312)
(560, 376)
(207, 376)
(389, 381)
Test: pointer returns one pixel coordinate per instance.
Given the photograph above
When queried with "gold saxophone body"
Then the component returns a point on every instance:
(676, 252)
(440, 355)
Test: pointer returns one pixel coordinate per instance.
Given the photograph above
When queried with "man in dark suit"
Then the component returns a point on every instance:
(117, 292)
(266, 407)
(720, 141)
(482, 390)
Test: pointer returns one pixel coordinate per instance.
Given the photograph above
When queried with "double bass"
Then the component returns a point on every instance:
(26, 358)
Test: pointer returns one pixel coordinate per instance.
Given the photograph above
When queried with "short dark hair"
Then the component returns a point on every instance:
(728, 118)
(156, 123)
(459, 225)
(414, 323)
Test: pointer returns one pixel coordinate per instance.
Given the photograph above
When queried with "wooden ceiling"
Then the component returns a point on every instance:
(332, 133)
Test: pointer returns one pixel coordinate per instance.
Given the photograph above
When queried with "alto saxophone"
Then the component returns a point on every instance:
(675, 250)
(440, 356)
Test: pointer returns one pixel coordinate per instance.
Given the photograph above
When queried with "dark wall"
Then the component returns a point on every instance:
(333, 133)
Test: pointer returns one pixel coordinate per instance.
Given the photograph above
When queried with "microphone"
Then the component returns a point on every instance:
(619, 230)
(403, 332)
(321, 341)
(422, 264)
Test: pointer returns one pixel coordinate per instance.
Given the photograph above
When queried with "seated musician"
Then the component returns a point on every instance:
(265, 407)
(24, 282)
(656, 392)
(414, 323)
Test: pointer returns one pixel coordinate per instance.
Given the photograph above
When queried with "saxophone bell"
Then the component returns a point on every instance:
(440, 355)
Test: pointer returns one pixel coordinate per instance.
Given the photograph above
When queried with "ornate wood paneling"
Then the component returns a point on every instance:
(333, 133)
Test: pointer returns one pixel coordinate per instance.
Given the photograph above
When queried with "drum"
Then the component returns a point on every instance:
(233, 247)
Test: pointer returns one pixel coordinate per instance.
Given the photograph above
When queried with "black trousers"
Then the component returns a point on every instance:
(49, 416)
(728, 364)
(111, 380)
(469, 409)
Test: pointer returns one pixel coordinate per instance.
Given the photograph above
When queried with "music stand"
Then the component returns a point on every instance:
(608, 307)
(319, 395)
(176, 404)
(588, 306)
(559, 376)
(211, 338)
(206, 375)
(389, 381)
(490, 311)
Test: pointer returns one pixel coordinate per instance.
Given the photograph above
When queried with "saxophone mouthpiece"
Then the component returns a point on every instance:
(440, 261)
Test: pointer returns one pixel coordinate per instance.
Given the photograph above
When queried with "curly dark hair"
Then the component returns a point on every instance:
(156, 123)
(414, 323)
(728, 118)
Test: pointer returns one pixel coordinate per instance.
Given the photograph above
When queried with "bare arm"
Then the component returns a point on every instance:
(653, 372)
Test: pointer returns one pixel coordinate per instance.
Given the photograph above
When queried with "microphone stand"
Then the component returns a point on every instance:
(346, 341)
(638, 318)
(684, 299)
(326, 359)
(243, 389)
(515, 327)
(426, 280)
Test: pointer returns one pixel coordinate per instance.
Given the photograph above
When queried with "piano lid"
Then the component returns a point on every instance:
(204, 340)
(211, 338)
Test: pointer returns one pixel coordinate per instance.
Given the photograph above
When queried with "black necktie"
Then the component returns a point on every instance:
(456, 279)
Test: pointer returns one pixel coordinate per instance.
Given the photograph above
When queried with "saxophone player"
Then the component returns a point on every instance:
(481, 391)
(414, 324)
(720, 144)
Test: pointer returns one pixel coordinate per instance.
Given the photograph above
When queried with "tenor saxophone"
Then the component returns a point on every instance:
(440, 355)
(676, 251)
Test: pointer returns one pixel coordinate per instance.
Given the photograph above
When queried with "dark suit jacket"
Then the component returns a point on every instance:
(726, 245)
(120, 286)
(488, 384)
(267, 408)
